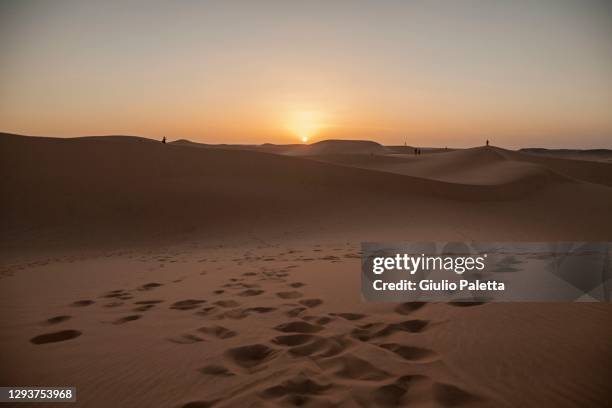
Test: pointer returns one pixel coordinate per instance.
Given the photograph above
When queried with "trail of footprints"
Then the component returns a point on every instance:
(337, 363)
(339, 366)
(336, 356)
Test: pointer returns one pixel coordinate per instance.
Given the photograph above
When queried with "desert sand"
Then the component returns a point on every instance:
(191, 275)
(603, 155)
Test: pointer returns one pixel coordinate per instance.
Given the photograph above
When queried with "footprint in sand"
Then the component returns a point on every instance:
(148, 302)
(350, 367)
(242, 313)
(295, 311)
(260, 309)
(58, 319)
(250, 356)
(249, 285)
(187, 304)
(298, 327)
(55, 337)
(127, 319)
(216, 370)
(410, 353)
(120, 294)
(205, 311)
(319, 346)
(251, 292)
(143, 308)
(186, 339)
(352, 255)
(296, 284)
(389, 395)
(82, 303)
(235, 314)
(296, 391)
(349, 316)
(149, 286)
(227, 303)
(219, 332)
(290, 295)
(370, 331)
(292, 339)
(330, 258)
(311, 302)
(409, 307)
(146, 305)
(320, 320)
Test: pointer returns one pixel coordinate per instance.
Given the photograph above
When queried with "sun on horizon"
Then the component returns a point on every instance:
(305, 124)
(535, 74)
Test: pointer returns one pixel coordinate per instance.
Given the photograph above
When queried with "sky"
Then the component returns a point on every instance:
(521, 73)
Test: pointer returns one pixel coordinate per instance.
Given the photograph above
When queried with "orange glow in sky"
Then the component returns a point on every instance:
(305, 125)
(431, 73)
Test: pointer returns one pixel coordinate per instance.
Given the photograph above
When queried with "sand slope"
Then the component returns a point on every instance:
(62, 190)
(328, 147)
(266, 147)
(153, 275)
(280, 323)
(604, 155)
(138, 184)
(480, 166)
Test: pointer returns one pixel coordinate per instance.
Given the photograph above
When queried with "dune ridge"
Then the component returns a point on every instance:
(142, 188)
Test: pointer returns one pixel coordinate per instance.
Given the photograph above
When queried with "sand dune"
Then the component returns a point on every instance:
(479, 166)
(182, 275)
(589, 171)
(327, 147)
(88, 182)
(604, 155)
(140, 188)
(211, 326)
(266, 147)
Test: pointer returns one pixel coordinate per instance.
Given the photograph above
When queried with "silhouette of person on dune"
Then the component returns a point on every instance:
(164, 140)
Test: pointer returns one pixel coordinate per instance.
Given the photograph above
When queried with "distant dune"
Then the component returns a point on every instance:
(327, 147)
(576, 154)
(266, 147)
(90, 188)
(482, 166)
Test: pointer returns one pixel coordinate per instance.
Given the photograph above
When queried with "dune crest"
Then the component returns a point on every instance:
(88, 189)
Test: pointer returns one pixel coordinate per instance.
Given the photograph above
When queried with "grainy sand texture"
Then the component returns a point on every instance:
(189, 275)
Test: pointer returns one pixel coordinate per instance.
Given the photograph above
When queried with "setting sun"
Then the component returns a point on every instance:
(305, 124)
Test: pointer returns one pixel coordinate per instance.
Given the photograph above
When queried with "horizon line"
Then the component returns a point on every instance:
(151, 138)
